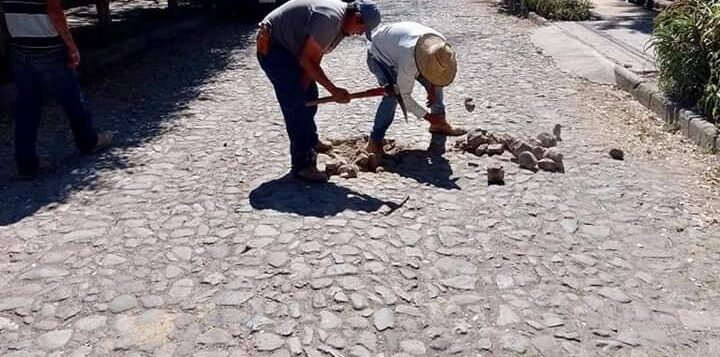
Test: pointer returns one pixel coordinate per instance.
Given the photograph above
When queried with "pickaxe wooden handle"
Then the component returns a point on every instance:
(375, 92)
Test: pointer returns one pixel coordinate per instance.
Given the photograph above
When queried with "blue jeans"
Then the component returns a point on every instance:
(386, 110)
(284, 71)
(35, 74)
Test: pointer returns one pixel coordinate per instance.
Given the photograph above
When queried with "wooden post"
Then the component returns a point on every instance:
(103, 10)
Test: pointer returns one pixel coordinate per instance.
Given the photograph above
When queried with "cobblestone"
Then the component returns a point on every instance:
(184, 241)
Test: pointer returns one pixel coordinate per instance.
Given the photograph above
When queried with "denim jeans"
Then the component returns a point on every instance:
(285, 73)
(386, 110)
(37, 73)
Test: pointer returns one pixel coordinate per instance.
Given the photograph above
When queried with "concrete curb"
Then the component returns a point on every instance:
(537, 19)
(693, 125)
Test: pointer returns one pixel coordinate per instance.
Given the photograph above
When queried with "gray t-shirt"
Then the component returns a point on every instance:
(294, 21)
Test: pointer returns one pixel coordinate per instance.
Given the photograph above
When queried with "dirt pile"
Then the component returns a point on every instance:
(348, 157)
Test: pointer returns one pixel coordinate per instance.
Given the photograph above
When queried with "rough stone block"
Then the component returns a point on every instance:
(703, 133)
(626, 80)
(674, 111)
(661, 107)
(684, 119)
(643, 93)
(537, 19)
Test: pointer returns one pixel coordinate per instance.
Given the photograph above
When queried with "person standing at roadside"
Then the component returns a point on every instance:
(45, 58)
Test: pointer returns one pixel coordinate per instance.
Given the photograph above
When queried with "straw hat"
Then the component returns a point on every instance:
(435, 60)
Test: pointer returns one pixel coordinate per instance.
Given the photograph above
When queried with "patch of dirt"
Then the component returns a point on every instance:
(348, 157)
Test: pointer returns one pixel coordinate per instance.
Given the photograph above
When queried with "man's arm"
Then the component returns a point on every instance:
(56, 13)
(310, 59)
(406, 83)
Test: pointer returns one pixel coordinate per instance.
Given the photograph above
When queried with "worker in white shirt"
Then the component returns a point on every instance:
(400, 54)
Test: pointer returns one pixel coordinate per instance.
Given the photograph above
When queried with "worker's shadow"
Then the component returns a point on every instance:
(286, 194)
(424, 166)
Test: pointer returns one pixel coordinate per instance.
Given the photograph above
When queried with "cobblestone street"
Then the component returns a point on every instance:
(186, 240)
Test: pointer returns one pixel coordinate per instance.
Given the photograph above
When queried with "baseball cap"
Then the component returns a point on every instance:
(370, 14)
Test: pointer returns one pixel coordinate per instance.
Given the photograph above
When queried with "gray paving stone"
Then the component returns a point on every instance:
(54, 339)
(267, 341)
(7, 324)
(507, 316)
(123, 303)
(413, 347)
(12, 303)
(181, 288)
(384, 319)
(215, 336)
(91, 323)
(152, 301)
(233, 298)
(699, 320)
(514, 343)
(614, 294)
(329, 320)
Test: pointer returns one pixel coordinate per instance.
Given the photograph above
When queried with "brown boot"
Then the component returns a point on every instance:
(323, 146)
(104, 140)
(375, 147)
(311, 174)
(439, 125)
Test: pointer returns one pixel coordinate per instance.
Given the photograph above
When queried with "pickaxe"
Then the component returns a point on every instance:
(375, 92)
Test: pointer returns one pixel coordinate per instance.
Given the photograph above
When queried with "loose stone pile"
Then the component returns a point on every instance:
(533, 154)
(348, 157)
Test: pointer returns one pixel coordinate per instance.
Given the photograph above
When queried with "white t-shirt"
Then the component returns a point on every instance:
(394, 45)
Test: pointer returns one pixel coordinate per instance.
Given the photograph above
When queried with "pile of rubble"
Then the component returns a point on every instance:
(534, 154)
(348, 157)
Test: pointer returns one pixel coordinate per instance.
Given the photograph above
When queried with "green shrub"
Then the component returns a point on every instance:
(687, 48)
(563, 10)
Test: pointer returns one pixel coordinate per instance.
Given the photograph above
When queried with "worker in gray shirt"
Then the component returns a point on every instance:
(291, 43)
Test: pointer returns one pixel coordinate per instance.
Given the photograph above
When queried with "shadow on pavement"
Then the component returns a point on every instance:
(137, 102)
(318, 200)
(641, 25)
(424, 166)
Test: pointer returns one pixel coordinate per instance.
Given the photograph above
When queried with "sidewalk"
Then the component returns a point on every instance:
(591, 49)
(615, 50)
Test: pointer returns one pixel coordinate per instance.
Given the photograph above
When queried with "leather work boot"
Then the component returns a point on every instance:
(441, 126)
(375, 147)
(323, 146)
(311, 174)
(104, 141)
